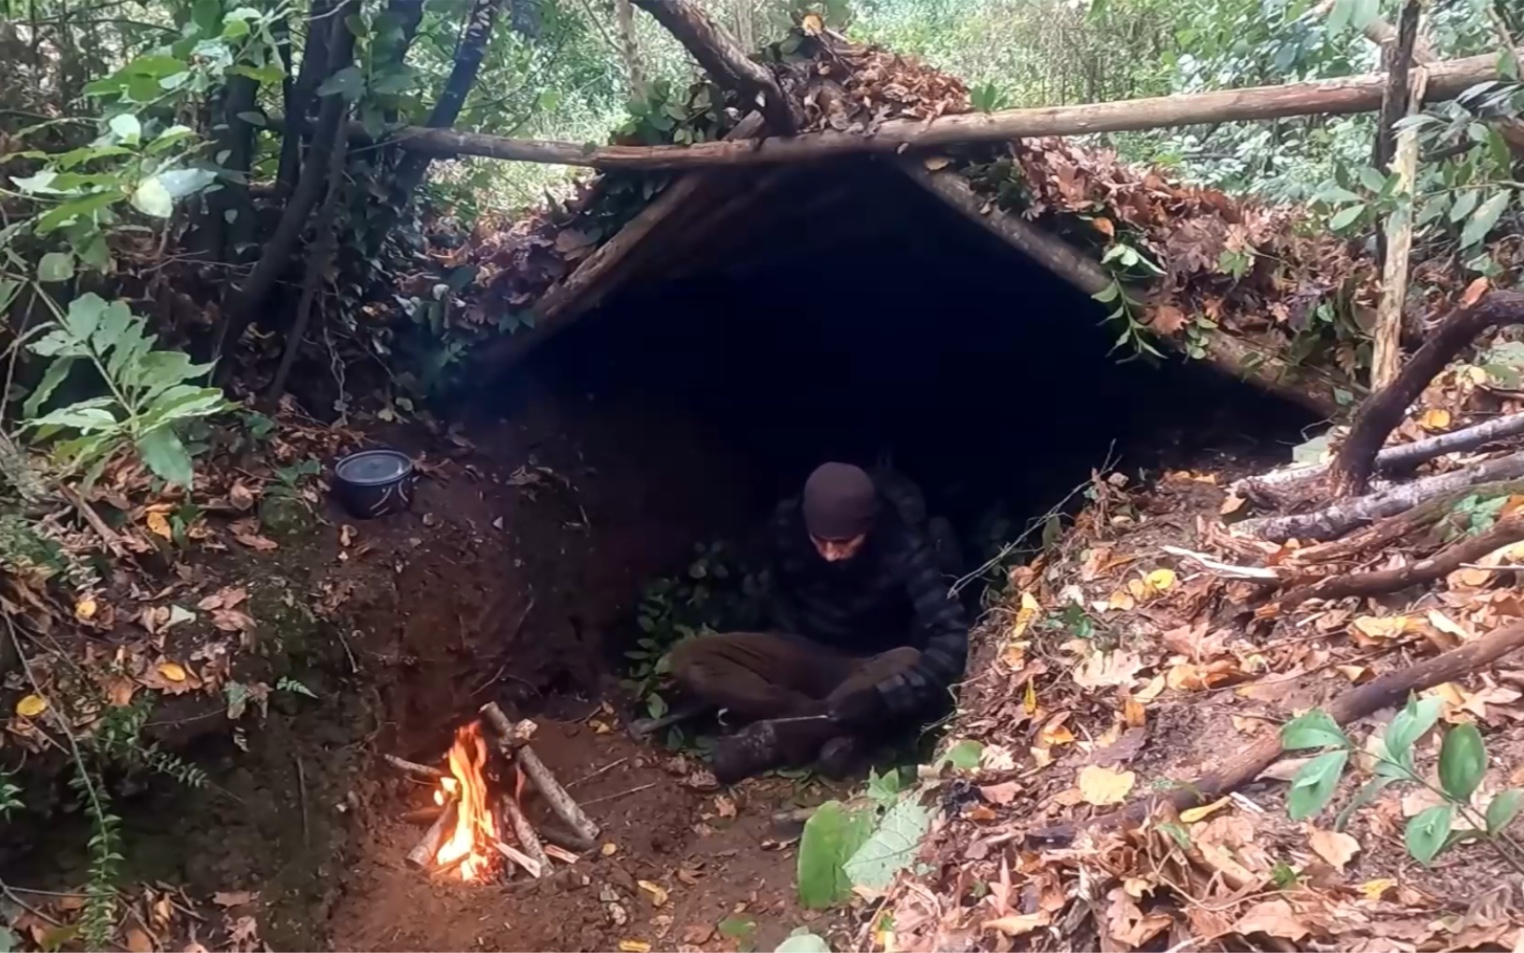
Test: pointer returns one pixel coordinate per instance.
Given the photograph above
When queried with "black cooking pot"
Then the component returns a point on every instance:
(374, 483)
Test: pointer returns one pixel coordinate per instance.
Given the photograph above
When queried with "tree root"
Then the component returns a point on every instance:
(1448, 560)
(1385, 692)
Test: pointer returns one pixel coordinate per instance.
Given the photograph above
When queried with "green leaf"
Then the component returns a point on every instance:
(1314, 729)
(1346, 217)
(803, 943)
(1372, 179)
(111, 322)
(1485, 218)
(656, 706)
(348, 82)
(152, 198)
(1409, 725)
(1427, 832)
(182, 182)
(831, 837)
(1367, 794)
(61, 215)
(1503, 809)
(55, 266)
(88, 416)
(1314, 784)
(126, 127)
(169, 137)
(1465, 203)
(166, 456)
(57, 371)
(891, 848)
(963, 756)
(289, 684)
(1462, 762)
(84, 315)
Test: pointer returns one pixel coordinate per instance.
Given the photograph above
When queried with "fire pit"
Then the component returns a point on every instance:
(479, 830)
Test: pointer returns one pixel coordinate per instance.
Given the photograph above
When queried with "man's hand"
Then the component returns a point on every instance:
(858, 709)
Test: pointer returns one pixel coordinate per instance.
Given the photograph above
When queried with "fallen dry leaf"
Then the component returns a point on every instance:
(657, 891)
(1000, 793)
(159, 525)
(1335, 847)
(1273, 918)
(172, 671)
(1160, 580)
(1435, 418)
(1018, 924)
(634, 946)
(1204, 811)
(724, 806)
(1373, 889)
(1474, 292)
(231, 620)
(609, 849)
(30, 706)
(1101, 786)
(85, 608)
(138, 941)
(233, 898)
(254, 541)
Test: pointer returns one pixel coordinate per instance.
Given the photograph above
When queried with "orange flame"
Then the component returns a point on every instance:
(475, 823)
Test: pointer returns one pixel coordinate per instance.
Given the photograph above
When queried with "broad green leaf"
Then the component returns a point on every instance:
(126, 127)
(1373, 179)
(40, 183)
(169, 137)
(155, 65)
(1314, 784)
(152, 198)
(1465, 204)
(963, 756)
(55, 266)
(803, 943)
(1503, 809)
(348, 82)
(1427, 832)
(61, 215)
(84, 315)
(1410, 724)
(113, 321)
(1462, 762)
(57, 371)
(57, 343)
(1345, 217)
(166, 456)
(1314, 729)
(1484, 218)
(831, 837)
(891, 848)
(88, 419)
(884, 789)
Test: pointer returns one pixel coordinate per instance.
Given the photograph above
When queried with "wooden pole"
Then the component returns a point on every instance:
(1386, 356)
(1329, 97)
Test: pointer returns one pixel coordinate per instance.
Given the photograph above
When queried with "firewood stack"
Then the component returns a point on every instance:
(478, 821)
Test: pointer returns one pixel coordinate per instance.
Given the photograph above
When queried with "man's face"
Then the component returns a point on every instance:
(837, 550)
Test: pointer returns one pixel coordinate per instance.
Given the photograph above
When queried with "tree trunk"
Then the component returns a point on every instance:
(629, 49)
(250, 299)
(1340, 96)
(1386, 355)
(1398, 58)
(727, 63)
(299, 95)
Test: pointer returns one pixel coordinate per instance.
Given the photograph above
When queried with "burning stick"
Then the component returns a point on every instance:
(562, 803)
(534, 867)
(413, 768)
(524, 831)
(421, 857)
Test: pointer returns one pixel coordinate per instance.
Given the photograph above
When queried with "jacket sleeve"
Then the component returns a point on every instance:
(940, 616)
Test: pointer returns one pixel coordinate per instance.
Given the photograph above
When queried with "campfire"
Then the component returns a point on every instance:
(477, 827)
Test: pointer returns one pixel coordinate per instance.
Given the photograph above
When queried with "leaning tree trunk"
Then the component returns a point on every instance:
(250, 299)
(299, 94)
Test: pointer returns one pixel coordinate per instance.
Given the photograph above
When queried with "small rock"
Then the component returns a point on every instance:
(617, 915)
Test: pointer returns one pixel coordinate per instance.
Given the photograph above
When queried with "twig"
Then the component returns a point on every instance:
(1222, 568)
(611, 797)
(422, 855)
(413, 768)
(603, 770)
(524, 831)
(107, 534)
(11, 896)
(562, 803)
(301, 791)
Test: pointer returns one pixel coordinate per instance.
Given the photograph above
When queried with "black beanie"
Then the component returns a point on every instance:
(839, 501)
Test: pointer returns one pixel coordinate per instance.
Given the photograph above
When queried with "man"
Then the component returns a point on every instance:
(867, 639)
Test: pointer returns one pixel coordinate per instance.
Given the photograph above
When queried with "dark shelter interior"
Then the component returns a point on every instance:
(846, 313)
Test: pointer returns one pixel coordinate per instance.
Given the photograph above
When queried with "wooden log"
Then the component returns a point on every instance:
(1504, 533)
(1355, 94)
(421, 857)
(1345, 515)
(1390, 690)
(423, 815)
(566, 808)
(1313, 390)
(602, 271)
(413, 768)
(513, 734)
(1384, 410)
(523, 831)
(570, 840)
(722, 58)
(1386, 356)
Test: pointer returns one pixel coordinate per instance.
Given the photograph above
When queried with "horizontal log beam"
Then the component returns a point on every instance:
(1322, 97)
